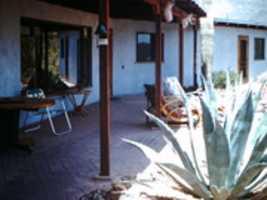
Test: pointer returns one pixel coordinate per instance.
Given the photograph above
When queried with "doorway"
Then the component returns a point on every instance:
(243, 56)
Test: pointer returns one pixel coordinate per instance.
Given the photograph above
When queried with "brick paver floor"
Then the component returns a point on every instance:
(62, 168)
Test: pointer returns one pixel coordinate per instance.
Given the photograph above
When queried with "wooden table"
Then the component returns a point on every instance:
(10, 108)
(70, 93)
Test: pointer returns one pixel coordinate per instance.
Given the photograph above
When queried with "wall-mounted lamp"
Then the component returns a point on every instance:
(168, 10)
(102, 33)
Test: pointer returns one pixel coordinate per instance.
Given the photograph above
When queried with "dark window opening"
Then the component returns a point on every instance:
(146, 47)
(259, 49)
(52, 59)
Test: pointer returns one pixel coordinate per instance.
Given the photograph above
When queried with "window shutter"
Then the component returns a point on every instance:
(85, 61)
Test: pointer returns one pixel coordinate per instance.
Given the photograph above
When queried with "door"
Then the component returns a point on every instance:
(243, 56)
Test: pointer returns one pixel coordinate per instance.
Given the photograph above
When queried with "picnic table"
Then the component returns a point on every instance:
(10, 108)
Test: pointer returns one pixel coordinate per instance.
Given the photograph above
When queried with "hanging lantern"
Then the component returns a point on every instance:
(168, 13)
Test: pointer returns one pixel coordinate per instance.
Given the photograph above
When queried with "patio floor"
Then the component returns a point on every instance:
(62, 168)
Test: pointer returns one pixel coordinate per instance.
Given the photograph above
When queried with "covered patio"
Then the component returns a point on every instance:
(64, 167)
(103, 13)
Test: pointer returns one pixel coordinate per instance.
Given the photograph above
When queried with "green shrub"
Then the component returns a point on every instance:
(219, 78)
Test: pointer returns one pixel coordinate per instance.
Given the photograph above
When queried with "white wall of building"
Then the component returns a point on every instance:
(226, 49)
(9, 49)
(129, 76)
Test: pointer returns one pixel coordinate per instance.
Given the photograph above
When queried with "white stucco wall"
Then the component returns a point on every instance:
(226, 51)
(9, 49)
(11, 12)
(130, 76)
(129, 80)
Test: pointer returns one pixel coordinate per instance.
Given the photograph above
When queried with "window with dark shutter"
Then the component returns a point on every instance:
(85, 60)
(259, 49)
(146, 47)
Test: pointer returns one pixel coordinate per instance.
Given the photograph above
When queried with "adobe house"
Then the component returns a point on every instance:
(58, 37)
(239, 38)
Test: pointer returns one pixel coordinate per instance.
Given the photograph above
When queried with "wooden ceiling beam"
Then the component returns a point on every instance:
(179, 13)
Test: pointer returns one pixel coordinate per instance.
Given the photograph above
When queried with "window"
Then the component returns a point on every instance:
(259, 48)
(50, 58)
(146, 46)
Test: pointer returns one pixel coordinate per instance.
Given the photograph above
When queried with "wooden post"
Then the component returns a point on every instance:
(104, 64)
(158, 59)
(181, 54)
(195, 55)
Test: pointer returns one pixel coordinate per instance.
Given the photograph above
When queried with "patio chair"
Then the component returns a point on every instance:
(39, 93)
(172, 107)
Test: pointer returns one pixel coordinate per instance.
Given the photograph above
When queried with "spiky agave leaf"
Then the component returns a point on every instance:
(239, 135)
(230, 98)
(210, 94)
(219, 193)
(191, 128)
(246, 178)
(174, 177)
(169, 135)
(239, 96)
(153, 157)
(257, 92)
(150, 153)
(216, 144)
(259, 149)
(189, 178)
(254, 185)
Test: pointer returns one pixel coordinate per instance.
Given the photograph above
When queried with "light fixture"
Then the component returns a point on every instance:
(101, 31)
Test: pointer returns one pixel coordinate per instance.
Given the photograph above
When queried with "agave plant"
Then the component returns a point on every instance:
(235, 147)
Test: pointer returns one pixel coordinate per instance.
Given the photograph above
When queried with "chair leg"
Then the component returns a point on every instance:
(35, 128)
(69, 129)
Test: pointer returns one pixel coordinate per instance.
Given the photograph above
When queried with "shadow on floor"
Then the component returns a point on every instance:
(61, 168)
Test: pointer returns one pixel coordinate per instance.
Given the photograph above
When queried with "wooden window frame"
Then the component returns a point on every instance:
(153, 46)
(259, 54)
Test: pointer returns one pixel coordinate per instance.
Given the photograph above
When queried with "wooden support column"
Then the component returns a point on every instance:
(105, 128)
(181, 54)
(195, 55)
(158, 60)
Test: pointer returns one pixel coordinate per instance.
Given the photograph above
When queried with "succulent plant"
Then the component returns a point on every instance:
(235, 146)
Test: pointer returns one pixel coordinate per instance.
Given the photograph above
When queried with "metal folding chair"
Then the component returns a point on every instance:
(39, 93)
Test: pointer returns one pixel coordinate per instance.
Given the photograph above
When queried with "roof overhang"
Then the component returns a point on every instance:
(238, 24)
(132, 9)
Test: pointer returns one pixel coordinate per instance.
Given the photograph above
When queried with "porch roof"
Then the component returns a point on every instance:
(132, 9)
(239, 23)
